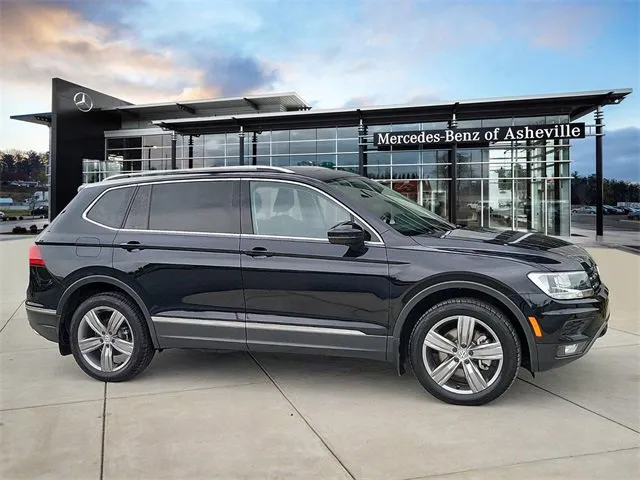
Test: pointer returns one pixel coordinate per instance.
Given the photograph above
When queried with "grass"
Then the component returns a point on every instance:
(17, 213)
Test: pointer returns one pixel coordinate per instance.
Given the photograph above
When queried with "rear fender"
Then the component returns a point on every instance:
(74, 287)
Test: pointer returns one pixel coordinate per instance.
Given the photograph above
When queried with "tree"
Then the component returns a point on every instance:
(583, 190)
(25, 166)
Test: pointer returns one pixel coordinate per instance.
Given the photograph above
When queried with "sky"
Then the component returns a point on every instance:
(332, 53)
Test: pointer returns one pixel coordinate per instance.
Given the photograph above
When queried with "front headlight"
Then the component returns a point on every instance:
(563, 285)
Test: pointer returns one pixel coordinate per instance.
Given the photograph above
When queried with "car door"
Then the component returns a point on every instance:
(302, 293)
(180, 246)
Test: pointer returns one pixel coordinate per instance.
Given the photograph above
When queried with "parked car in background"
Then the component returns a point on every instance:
(41, 210)
(634, 214)
(611, 210)
(306, 260)
(588, 210)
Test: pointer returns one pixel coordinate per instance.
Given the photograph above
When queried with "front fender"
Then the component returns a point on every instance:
(393, 348)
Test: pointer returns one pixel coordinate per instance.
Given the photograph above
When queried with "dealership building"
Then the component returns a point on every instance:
(503, 163)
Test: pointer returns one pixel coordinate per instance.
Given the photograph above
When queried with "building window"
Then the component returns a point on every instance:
(529, 178)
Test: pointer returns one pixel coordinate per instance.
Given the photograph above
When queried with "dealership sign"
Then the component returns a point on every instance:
(470, 136)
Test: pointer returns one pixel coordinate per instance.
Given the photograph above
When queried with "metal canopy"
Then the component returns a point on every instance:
(575, 105)
(189, 108)
(38, 118)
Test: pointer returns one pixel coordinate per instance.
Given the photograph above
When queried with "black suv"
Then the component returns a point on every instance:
(306, 260)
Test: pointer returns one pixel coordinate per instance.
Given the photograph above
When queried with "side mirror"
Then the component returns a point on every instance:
(347, 233)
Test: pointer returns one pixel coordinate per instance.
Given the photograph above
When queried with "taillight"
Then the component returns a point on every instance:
(35, 257)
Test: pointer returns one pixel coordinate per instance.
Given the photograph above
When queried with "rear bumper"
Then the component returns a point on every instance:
(44, 321)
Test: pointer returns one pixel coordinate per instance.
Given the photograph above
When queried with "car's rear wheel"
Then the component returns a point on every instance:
(109, 338)
(464, 351)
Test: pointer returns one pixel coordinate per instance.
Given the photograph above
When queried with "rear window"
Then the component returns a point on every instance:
(111, 207)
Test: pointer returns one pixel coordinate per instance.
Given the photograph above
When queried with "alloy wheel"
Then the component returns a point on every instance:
(462, 354)
(105, 339)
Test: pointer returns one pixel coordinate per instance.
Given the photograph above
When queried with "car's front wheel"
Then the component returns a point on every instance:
(109, 338)
(465, 351)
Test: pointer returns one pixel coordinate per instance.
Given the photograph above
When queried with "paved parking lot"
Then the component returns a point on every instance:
(611, 223)
(202, 415)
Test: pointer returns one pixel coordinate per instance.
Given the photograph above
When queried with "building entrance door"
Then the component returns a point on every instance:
(538, 205)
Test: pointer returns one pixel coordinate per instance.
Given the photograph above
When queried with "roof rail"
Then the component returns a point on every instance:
(194, 171)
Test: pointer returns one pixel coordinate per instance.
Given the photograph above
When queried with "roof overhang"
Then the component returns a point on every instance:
(38, 118)
(188, 108)
(575, 105)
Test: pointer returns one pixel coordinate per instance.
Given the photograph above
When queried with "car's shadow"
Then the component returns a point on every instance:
(175, 370)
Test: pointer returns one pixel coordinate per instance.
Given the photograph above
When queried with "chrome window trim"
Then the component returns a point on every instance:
(285, 237)
(220, 234)
(135, 185)
(180, 232)
(97, 199)
(331, 199)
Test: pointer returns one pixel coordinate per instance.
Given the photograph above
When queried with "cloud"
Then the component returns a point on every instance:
(67, 46)
(559, 26)
(620, 152)
(424, 99)
(356, 102)
(237, 75)
(71, 46)
(113, 12)
(397, 50)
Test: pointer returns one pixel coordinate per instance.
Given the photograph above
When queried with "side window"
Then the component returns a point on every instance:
(287, 210)
(111, 208)
(138, 218)
(206, 207)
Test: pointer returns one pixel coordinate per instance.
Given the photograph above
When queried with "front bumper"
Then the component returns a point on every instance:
(574, 325)
(44, 321)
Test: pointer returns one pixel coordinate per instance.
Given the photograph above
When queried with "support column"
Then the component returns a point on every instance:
(174, 141)
(557, 158)
(254, 149)
(362, 149)
(241, 153)
(190, 151)
(453, 174)
(599, 176)
(529, 203)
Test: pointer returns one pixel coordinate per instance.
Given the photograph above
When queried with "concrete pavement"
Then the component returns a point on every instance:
(202, 415)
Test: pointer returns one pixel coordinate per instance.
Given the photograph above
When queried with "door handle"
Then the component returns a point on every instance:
(131, 246)
(258, 252)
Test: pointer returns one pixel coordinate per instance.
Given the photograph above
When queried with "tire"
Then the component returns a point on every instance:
(469, 375)
(130, 344)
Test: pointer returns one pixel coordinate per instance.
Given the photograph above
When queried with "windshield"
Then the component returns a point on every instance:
(402, 214)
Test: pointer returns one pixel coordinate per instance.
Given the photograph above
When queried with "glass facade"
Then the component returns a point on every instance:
(521, 185)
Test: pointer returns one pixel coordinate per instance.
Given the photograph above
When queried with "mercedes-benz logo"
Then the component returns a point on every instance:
(83, 101)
